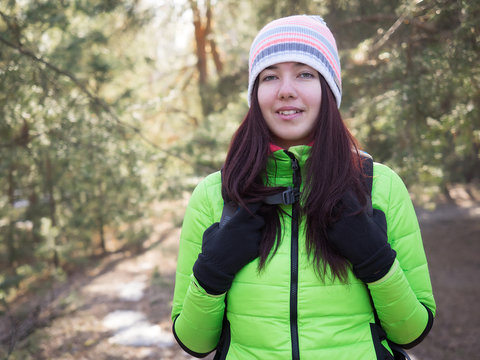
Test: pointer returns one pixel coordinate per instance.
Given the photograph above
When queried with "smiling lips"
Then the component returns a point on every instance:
(288, 113)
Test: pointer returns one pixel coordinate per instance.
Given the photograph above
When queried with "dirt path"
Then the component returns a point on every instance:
(452, 243)
(123, 313)
(121, 308)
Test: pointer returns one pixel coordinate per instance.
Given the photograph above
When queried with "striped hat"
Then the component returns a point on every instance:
(300, 38)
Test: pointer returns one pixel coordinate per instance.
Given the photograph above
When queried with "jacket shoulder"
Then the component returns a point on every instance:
(390, 195)
(207, 198)
(383, 170)
(388, 187)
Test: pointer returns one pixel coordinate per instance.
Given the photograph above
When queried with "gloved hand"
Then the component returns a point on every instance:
(362, 239)
(227, 249)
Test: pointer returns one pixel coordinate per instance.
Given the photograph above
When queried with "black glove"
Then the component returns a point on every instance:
(362, 239)
(227, 249)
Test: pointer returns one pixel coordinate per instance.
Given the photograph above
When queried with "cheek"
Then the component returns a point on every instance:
(314, 99)
(264, 97)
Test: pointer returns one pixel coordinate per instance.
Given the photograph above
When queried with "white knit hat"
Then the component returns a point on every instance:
(300, 38)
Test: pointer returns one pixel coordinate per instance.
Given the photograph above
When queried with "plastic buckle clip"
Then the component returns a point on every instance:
(290, 196)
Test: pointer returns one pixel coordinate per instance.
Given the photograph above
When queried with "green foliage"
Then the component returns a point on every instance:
(412, 87)
(72, 171)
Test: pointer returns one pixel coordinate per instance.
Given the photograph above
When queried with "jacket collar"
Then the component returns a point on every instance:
(279, 167)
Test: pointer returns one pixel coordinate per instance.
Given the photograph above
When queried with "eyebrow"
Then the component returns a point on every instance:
(273, 67)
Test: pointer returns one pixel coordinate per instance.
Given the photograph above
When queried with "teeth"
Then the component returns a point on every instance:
(288, 112)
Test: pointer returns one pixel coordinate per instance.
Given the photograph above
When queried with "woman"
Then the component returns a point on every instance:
(315, 272)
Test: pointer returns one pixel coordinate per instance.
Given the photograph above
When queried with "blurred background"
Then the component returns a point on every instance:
(112, 111)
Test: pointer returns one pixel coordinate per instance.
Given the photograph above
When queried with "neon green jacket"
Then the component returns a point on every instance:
(271, 315)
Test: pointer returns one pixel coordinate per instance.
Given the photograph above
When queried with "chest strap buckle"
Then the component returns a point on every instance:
(287, 197)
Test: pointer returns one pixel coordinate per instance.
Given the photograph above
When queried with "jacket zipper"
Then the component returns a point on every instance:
(297, 179)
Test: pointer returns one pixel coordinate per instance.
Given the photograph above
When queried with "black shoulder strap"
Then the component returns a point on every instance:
(229, 207)
(367, 167)
(367, 164)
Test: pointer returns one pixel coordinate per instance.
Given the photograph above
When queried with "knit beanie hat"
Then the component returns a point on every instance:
(301, 38)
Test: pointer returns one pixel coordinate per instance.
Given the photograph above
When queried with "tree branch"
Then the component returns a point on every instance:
(388, 34)
(390, 17)
(95, 99)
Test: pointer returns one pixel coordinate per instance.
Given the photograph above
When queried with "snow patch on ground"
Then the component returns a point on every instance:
(131, 328)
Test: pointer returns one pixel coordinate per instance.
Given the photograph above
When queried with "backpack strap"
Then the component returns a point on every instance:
(229, 209)
(367, 167)
(229, 206)
(287, 197)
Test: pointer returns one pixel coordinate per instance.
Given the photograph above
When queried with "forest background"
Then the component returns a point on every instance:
(108, 108)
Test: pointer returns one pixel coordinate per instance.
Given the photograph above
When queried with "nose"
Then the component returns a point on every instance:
(286, 89)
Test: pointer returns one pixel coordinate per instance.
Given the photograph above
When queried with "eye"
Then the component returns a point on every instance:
(306, 75)
(268, 77)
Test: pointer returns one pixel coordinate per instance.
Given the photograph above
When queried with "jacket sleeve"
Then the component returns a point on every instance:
(197, 316)
(403, 298)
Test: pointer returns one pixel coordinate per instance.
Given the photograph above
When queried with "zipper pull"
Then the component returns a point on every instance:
(295, 165)
(293, 159)
(297, 176)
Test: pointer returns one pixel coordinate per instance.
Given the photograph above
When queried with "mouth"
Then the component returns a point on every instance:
(288, 112)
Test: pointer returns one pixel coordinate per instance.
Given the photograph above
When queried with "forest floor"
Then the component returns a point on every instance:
(119, 308)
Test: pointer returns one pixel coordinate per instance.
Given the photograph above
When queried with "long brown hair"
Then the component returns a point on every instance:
(333, 167)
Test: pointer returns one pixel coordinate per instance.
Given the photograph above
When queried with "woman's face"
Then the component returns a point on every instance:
(289, 95)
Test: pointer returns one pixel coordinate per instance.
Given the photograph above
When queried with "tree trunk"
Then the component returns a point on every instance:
(203, 30)
(216, 57)
(52, 206)
(11, 226)
(101, 229)
(101, 220)
(33, 215)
